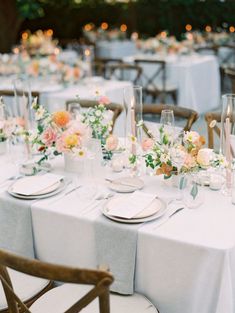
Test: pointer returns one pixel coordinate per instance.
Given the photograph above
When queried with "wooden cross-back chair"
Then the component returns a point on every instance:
(230, 73)
(98, 279)
(83, 289)
(124, 71)
(156, 85)
(74, 104)
(99, 65)
(211, 129)
(189, 115)
(212, 49)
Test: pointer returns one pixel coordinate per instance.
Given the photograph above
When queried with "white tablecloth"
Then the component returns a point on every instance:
(186, 265)
(115, 49)
(196, 77)
(54, 96)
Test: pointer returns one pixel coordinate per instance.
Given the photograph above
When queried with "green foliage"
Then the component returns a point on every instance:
(30, 8)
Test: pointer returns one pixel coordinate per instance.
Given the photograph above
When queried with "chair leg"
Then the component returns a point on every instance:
(174, 97)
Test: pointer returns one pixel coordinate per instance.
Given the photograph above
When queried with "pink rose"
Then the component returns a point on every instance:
(189, 161)
(111, 143)
(49, 136)
(147, 144)
(104, 100)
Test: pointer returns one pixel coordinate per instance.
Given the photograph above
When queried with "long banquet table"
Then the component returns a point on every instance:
(185, 265)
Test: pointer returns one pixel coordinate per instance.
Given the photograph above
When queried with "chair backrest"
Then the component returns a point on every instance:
(99, 65)
(226, 54)
(189, 115)
(158, 74)
(205, 50)
(211, 129)
(124, 71)
(73, 104)
(101, 281)
(230, 73)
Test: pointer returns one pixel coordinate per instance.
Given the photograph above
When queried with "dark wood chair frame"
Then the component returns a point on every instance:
(230, 73)
(155, 92)
(209, 117)
(100, 279)
(118, 71)
(190, 115)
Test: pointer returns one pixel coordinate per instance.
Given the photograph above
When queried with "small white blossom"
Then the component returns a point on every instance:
(164, 158)
(39, 114)
(98, 113)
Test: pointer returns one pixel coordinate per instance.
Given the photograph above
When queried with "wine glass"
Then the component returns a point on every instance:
(227, 138)
(167, 118)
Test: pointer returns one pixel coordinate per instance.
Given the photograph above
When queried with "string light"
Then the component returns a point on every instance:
(104, 25)
(208, 29)
(163, 34)
(49, 32)
(25, 35)
(232, 29)
(88, 27)
(123, 28)
(188, 27)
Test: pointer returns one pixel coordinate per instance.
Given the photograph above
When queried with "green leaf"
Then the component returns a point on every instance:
(183, 182)
(194, 191)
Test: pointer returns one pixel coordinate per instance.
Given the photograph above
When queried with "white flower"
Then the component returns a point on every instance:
(98, 113)
(32, 137)
(92, 119)
(79, 153)
(177, 157)
(39, 114)
(205, 156)
(164, 158)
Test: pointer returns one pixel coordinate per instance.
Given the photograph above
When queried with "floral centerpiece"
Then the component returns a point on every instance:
(169, 157)
(99, 118)
(57, 133)
(40, 42)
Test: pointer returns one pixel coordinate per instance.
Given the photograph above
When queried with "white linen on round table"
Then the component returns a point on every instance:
(115, 48)
(196, 77)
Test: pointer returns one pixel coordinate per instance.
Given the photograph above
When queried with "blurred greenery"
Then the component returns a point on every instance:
(148, 17)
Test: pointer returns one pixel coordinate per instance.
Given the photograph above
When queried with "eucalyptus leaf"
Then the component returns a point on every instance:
(194, 191)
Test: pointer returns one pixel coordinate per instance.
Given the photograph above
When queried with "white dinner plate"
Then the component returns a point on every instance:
(60, 187)
(155, 210)
(126, 184)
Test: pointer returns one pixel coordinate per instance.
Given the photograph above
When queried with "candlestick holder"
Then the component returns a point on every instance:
(227, 138)
(133, 120)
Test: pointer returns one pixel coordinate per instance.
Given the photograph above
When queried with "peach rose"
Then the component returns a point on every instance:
(111, 143)
(61, 118)
(204, 156)
(49, 136)
(147, 144)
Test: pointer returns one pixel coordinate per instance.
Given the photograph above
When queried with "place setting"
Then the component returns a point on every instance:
(37, 187)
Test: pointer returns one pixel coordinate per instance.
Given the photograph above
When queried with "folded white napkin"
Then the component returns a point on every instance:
(35, 184)
(130, 206)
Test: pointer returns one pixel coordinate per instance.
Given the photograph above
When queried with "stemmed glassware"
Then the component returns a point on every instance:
(227, 138)
(20, 114)
(168, 121)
